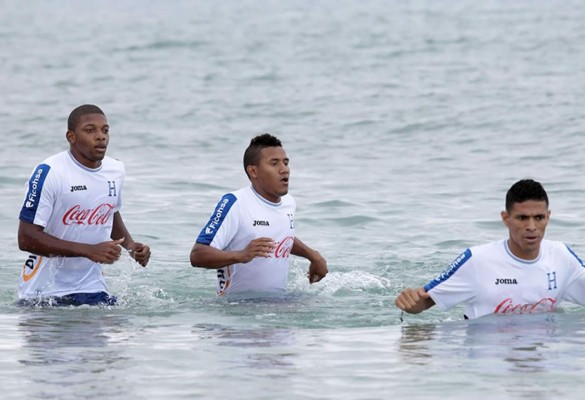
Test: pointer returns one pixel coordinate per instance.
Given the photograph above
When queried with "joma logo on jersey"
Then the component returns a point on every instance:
(506, 281)
(78, 188)
(261, 223)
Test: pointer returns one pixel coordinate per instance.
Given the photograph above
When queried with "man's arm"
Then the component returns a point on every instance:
(205, 256)
(140, 252)
(414, 301)
(33, 239)
(318, 267)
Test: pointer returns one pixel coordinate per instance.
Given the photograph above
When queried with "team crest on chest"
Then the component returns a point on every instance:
(552, 280)
(112, 189)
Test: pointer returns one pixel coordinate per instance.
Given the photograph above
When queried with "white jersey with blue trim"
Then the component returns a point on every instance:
(489, 279)
(241, 217)
(73, 203)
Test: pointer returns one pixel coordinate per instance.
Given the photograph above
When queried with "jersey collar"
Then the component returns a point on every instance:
(80, 165)
(521, 260)
(264, 200)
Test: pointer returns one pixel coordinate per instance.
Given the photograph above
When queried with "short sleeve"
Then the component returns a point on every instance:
(39, 198)
(222, 225)
(456, 284)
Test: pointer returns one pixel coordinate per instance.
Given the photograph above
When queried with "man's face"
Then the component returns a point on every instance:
(526, 224)
(270, 177)
(90, 140)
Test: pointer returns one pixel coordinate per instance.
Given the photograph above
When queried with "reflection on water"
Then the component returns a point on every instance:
(414, 343)
(72, 347)
(522, 342)
(514, 350)
(269, 347)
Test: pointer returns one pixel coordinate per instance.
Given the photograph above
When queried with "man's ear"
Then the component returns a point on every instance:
(70, 135)
(251, 169)
(505, 217)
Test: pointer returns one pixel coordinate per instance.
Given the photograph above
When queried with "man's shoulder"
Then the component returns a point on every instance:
(56, 160)
(241, 193)
(233, 197)
(554, 246)
(288, 199)
(54, 164)
(488, 248)
(552, 243)
(114, 163)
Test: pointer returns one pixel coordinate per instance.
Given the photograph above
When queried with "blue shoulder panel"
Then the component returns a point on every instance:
(453, 267)
(208, 232)
(33, 195)
(575, 255)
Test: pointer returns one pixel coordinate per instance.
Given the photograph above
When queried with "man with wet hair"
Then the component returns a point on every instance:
(70, 221)
(250, 235)
(523, 274)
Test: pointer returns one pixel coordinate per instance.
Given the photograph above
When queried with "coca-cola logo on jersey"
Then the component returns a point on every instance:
(284, 247)
(92, 216)
(507, 306)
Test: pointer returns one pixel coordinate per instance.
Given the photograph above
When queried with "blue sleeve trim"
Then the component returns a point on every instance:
(33, 195)
(575, 255)
(223, 207)
(453, 267)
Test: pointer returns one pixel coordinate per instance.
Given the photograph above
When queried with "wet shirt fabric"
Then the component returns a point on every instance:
(489, 279)
(241, 217)
(73, 203)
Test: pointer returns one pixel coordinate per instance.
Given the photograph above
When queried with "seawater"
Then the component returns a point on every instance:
(405, 123)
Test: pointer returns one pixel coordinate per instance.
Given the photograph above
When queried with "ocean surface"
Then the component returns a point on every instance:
(405, 123)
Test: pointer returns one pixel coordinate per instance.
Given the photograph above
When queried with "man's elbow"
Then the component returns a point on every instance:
(195, 257)
(193, 260)
(22, 245)
(24, 242)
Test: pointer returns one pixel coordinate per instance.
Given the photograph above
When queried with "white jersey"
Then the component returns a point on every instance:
(241, 217)
(73, 203)
(491, 280)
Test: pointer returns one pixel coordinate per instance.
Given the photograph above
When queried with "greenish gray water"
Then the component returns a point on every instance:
(405, 124)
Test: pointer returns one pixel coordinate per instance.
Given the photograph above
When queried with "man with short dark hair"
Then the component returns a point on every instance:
(523, 274)
(250, 235)
(70, 221)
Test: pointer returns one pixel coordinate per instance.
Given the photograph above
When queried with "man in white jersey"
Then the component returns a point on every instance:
(523, 274)
(250, 235)
(70, 221)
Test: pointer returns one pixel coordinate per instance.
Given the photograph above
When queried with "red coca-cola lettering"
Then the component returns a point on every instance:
(96, 216)
(284, 248)
(507, 306)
